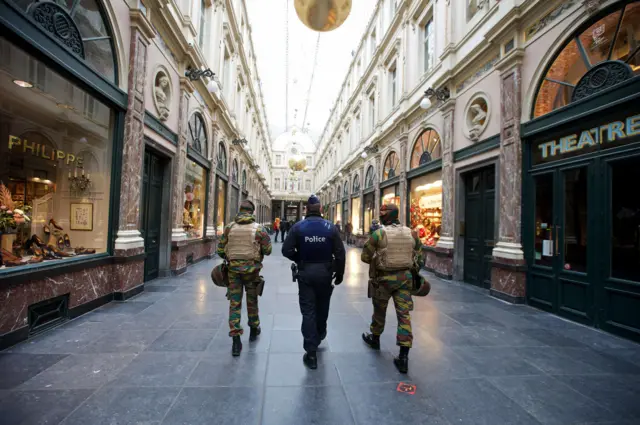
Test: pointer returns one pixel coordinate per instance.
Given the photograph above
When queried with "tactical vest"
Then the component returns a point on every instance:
(315, 241)
(395, 249)
(241, 242)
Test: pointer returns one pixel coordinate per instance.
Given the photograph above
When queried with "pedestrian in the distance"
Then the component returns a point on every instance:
(284, 227)
(314, 245)
(276, 227)
(348, 230)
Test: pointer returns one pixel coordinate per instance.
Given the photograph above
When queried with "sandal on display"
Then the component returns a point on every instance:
(54, 224)
(61, 243)
(67, 241)
(46, 229)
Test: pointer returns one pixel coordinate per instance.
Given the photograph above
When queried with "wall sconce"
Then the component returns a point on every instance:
(442, 94)
(79, 183)
(195, 74)
(238, 142)
(369, 150)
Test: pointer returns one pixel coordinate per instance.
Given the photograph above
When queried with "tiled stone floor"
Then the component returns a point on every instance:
(164, 358)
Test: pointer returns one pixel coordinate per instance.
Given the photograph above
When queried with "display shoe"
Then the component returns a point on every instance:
(236, 348)
(53, 240)
(67, 241)
(36, 240)
(54, 224)
(46, 229)
(10, 256)
(49, 254)
(253, 335)
(59, 252)
(371, 340)
(35, 259)
(310, 360)
(61, 243)
(37, 251)
(80, 250)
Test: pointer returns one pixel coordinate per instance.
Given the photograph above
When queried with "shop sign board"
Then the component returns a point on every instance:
(43, 151)
(588, 140)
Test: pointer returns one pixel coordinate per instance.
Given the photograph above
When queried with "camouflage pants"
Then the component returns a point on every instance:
(238, 282)
(396, 286)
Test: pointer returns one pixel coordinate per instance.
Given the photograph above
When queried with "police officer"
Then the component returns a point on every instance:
(393, 251)
(314, 244)
(244, 243)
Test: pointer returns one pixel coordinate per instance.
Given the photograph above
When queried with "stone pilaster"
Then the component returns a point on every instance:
(361, 174)
(179, 163)
(210, 231)
(377, 177)
(282, 209)
(403, 179)
(440, 260)
(128, 241)
(508, 271)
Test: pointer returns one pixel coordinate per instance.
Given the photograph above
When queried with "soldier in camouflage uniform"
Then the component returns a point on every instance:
(392, 252)
(244, 244)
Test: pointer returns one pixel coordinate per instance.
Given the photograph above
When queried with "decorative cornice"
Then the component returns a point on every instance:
(139, 21)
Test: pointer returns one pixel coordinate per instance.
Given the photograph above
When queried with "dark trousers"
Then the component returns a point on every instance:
(315, 297)
(283, 233)
(277, 231)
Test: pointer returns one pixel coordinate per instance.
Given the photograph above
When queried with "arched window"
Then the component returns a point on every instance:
(345, 189)
(244, 179)
(222, 158)
(356, 184)
(82, 27)
(391, 165)
(234, 171)
(203, 21)
(197, 134)
(368, 179)
(595, 58)
(427, 147)
(338, 192)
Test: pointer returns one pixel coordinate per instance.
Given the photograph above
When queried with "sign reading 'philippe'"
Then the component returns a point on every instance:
(43, 151)
(610, 134)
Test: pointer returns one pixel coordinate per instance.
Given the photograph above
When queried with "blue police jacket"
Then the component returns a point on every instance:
(315, 240)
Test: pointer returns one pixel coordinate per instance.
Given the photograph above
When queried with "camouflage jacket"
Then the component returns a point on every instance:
(245, 266)
(371, 246)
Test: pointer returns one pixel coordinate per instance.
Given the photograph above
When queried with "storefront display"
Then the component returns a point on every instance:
(338, 214)
(390, 195)
(368, 210)
(194, 200)
(221, 196)
(355, 216)
(425, 210)
(56, 174)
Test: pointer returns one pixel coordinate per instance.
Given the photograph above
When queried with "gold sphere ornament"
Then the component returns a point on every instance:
(323, 15)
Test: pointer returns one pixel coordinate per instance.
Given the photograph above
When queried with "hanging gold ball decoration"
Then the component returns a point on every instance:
(297, 164)
(323, 15)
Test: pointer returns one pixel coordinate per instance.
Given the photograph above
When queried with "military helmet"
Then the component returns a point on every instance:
(220, 275)
(421, 286)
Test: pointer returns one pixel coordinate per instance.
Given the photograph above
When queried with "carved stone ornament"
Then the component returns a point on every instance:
(477, 117)
(162, 94)
(601, 77)
(56, 21)
(592, 5)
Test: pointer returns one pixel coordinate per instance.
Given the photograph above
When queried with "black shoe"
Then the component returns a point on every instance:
(402, 361)
(310, 360)
(236, 347)
(371, 340)
(253, 335)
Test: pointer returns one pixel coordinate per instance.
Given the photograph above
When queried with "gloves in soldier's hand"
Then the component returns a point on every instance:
(338, 279)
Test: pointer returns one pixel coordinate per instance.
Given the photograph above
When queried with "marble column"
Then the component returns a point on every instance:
(211, 201)
(179, 163)
(508, 267)
(440, 260)
(403, 179)
(128, 240)
(282, 214)
(377, 177)
(361, 213)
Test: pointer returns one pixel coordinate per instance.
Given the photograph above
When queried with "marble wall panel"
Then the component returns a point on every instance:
(511, 283)
(440, 263)
(199, 250)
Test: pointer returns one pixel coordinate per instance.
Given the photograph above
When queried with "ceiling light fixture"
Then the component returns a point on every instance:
(22, 83)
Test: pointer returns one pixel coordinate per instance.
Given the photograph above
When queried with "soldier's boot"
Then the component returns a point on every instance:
(371, 340)
(253, 335)
(236, 347)
(310, 360)
(402, 361)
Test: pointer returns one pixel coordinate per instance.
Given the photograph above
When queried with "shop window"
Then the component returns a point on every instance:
(194, 200)
(368, 210)
(391, 195)
(575, 220)
(391, 165)
(355, 216)
(221, 203)
(616, 37)
(426, 149)
(368, 180)
(244, 180)
(356, 184)
(56, 172)
(425, 211)
(81, 26)
(222, 159)
(625, 221)
(234, 171)
(197, 134)
(345, 189)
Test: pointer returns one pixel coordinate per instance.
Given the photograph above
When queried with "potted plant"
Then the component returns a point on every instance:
(10, 218)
